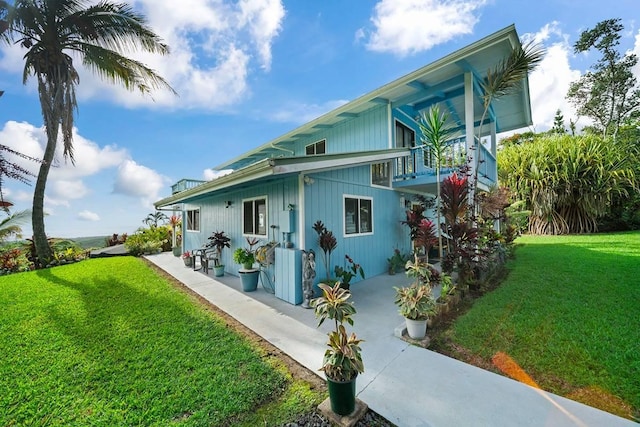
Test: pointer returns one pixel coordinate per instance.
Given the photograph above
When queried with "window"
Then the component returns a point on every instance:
(358, 215)
(193, 220)
(254, 215)
(405, 136)
(380, 174)
(319, 147)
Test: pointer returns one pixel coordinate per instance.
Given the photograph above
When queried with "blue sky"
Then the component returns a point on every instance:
(248, 71)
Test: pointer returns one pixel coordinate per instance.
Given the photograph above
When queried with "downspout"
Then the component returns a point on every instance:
(273, 145)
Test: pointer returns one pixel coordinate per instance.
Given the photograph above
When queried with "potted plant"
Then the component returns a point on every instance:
(345, 275)
(218, 241)
(246, 256)
(447, 291)
(187, 259)
(175, 222)
(416, 302)
(327, 242)
(396, 261)
(343, 359)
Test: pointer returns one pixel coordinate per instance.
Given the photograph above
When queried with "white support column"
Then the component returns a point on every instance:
(469, 127)
(301, 213)
(494, 141)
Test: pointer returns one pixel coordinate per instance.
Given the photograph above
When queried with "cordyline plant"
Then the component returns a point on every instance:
(343, 359)
(416, 301)
(327, 242)
(458, 226)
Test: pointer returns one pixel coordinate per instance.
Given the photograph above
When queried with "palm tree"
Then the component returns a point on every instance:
(51, 30)
(154, 219)
(435, 132)
(504, 79)
(11, 225)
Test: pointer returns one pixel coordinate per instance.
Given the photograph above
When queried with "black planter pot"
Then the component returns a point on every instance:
(342, 395)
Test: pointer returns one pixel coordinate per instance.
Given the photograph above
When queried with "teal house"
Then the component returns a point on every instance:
(356, 168)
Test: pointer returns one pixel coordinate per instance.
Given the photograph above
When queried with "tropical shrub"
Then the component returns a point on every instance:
(327, 242)
(568, 182)
(148, 240)
(13, 260)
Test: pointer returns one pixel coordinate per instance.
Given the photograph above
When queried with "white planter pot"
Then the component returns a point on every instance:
(417, 329)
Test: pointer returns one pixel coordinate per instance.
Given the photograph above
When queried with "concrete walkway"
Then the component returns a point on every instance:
(408, 385)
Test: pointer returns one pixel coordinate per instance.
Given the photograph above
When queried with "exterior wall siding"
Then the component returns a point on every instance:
(214, 216)
(324, 201)
(369, 131)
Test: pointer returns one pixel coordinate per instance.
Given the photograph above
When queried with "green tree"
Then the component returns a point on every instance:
(52, 30)
(609, 93)
(11, 225)
(504, 79)
(558, 123)
(567, 182)
(435, 132)
(155, 218)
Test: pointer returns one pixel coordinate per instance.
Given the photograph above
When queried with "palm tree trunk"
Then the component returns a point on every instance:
(51, 101)
(43, 251)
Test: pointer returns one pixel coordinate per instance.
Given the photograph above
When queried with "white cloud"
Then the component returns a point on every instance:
(210, 174)
(549, 83)
(213, 46)
(88, 216)
(139, 181)
(636, 50)
(303, 113)
(66, 182)
(410, 26)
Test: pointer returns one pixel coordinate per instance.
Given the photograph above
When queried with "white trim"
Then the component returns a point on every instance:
(344, 225)
(266, 219)
(189, 230)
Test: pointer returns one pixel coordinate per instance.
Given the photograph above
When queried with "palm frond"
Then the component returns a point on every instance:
(507, 75)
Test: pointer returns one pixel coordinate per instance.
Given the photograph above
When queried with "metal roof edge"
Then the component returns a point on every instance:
(508, 32)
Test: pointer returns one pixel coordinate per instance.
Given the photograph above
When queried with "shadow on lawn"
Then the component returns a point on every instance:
(146, 354)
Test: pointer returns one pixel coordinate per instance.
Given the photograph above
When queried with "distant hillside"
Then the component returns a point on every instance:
(91, 242)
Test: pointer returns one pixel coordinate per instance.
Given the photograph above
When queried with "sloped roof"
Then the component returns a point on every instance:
(442, 80)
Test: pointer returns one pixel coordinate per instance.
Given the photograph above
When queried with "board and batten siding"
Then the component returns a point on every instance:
(369, 131)
(214, 216)
(324, 201)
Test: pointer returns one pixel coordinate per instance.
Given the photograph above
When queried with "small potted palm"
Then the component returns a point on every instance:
(343, 359)
(416, 302)
(246, 256)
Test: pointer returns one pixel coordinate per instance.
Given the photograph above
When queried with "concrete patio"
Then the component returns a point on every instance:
(408, 385)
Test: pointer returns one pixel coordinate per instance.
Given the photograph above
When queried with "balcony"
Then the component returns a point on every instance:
(185, 184)
(417, 171)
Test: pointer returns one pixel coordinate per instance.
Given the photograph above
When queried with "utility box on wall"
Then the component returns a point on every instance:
(286, 221)
(288, 272)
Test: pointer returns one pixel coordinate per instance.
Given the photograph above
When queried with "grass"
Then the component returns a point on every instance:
(109, 342)
(569, 315)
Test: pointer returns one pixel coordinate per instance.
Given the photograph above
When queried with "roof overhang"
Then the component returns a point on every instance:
(439, 82)
(282, 166)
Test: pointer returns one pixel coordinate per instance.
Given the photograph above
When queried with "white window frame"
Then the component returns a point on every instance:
(344, 215)
(190, 222)
(315, 145)
(390, 167)
(266, 217)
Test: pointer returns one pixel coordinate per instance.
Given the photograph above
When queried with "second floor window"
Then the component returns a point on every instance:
(319, 147)
(381, 174)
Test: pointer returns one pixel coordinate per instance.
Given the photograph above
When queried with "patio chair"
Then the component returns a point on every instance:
(207, 257)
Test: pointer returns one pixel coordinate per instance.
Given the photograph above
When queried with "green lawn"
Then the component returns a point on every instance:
(569, 315)
(108, 342)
